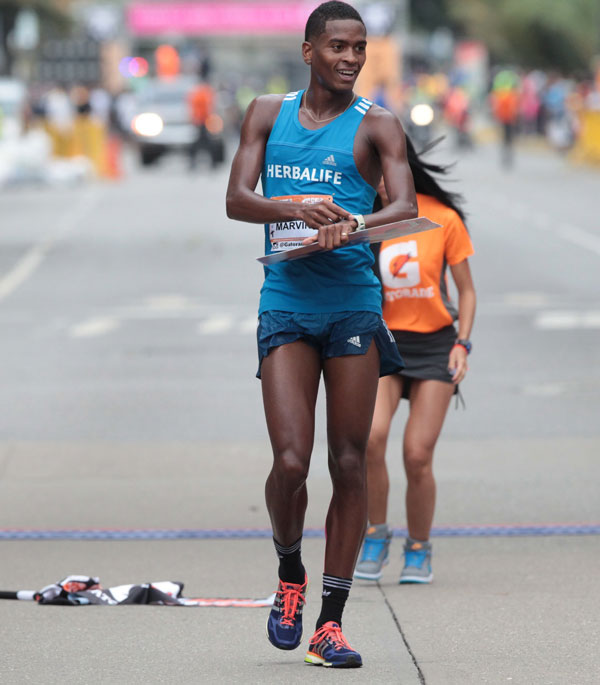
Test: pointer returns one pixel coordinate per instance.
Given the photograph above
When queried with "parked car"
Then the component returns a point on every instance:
(162, 123)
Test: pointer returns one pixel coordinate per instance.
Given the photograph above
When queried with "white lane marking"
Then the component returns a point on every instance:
(567, 320)
(591, 319)
(578, 236)
(22, 270)
(526, 300)
(94, 327)
(215, 325)
(28, 264)
(542, 221)
(569, 232)
(249, 325)
(544, 389)
(168, 303)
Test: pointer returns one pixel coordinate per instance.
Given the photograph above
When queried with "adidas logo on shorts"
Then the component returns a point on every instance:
(354, 340)
(329, 160)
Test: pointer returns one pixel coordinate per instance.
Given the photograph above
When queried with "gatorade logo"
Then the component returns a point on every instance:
(397, 263)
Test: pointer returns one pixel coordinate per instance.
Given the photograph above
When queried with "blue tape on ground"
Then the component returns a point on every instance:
(539, 530)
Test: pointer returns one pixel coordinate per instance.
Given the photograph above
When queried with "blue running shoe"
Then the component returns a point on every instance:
(284, 625)
(417, 563)
(329, 647)
(375, 553)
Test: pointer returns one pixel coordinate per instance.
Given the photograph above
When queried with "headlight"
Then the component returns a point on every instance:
(147, 124)
(421, 115)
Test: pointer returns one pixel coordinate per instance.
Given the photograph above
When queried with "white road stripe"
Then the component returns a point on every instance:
(569, 232)
(526, 300)
(591, 319)
(249, 325)
(567, 320)
(22, 270)
(215, 325)
(544, 389)
(578, 236)
(94, 327)
(29, 263)
(168, 303)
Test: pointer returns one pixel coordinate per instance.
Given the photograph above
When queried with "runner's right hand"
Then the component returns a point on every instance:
(322, 213)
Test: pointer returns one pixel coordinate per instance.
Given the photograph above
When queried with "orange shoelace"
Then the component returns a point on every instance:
(290, 599)
(333, 633)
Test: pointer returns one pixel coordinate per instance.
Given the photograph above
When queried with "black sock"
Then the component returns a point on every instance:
(335, 594)
(291, 569)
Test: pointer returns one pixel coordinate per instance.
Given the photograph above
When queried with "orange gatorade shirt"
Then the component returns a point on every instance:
(413, 271)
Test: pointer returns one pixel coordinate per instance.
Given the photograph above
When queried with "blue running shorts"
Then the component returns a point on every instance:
(333, 335)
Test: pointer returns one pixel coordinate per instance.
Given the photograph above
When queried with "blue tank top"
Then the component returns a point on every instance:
(304, 166)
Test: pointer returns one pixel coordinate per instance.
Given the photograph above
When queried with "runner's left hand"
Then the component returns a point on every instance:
(457, 363)
(332, 235)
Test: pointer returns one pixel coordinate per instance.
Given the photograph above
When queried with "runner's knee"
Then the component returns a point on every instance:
(291, 466)
(417, 460)
(348, 469)
(376, 446)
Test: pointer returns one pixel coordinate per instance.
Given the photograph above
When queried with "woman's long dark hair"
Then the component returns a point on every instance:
(426, 184)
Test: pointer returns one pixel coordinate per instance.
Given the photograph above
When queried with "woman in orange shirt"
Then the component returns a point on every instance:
(418, 310)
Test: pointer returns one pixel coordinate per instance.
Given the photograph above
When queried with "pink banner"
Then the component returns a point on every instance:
(197, 18)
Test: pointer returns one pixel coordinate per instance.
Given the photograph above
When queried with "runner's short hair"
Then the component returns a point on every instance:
(329, 11)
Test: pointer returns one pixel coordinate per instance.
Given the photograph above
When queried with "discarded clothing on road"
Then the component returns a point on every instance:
(81, 590)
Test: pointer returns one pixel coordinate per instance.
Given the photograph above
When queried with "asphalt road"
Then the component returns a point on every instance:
(128, 400)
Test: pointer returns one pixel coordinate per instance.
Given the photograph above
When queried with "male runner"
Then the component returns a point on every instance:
(321, 154)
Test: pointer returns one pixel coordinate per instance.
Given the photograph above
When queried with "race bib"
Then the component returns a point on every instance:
(286, 235)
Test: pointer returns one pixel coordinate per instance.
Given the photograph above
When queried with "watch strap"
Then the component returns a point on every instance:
(360, 222)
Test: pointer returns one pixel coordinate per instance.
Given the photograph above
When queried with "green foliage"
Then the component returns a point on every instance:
(551, 34)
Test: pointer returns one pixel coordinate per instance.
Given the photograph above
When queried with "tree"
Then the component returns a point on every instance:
(551, 34)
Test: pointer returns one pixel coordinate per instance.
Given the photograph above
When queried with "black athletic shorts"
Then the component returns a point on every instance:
(425, 355)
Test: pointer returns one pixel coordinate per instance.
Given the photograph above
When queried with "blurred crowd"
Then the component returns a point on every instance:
(543, 104)
(65, 133)
(530, 104)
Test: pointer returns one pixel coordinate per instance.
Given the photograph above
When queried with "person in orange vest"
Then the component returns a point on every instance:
(505, 102)
(201, 101)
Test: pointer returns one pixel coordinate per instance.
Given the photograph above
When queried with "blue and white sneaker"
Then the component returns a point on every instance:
(375, 553)
(284, 625)
(417, 562)
(329, 647)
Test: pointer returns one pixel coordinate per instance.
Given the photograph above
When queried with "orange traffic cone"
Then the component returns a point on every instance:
(113, 165)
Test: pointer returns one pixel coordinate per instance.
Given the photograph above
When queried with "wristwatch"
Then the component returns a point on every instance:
(360, 222)
(464, 343)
